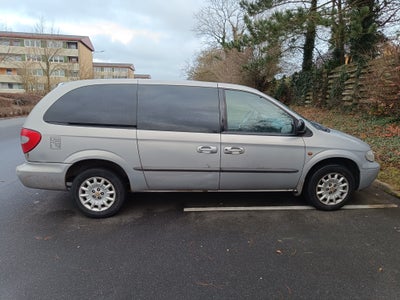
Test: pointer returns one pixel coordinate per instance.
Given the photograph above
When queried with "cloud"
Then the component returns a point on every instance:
(155, 35)
(116, 32)
(12, 19)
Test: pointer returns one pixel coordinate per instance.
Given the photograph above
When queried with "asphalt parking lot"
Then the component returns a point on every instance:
(154, 249)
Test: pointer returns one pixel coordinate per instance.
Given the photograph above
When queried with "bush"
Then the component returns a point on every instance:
(382, 85)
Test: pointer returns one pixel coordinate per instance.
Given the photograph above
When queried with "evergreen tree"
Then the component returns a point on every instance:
(285, 22)
(363, 29)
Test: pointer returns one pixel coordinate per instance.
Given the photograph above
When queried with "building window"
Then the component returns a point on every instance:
(97, 69)
(9, 72)
(73, 59)
(54, 44)
(10, 57)
(33, 57)
(107, 69)
(15, 58)
(7, 42)
(33, 43)
(15, 42)
(4, 42)
(72, 45)
(75, 74)
(57, 59)
(58, 73)
(11, 86)
(37, 72)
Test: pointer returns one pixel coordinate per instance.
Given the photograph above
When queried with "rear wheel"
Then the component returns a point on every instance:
(98, 193)
(330, 187)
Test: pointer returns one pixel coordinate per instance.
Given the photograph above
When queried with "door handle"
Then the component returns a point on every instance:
(233, 150)
(207, 149)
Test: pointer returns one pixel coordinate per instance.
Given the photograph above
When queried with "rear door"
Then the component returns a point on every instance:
(179, 136)
(259, 149)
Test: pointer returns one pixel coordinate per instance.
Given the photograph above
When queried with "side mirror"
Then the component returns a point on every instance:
(300, 126)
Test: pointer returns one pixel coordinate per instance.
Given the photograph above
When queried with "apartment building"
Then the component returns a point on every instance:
(113, 70)
(38, 62)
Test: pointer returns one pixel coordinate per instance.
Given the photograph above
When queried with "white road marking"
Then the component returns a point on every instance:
(370, 206)
(302, 207)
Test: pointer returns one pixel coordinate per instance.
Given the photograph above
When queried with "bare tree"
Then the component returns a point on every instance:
(220, 22)
(4, 53)
(232, 66)
(4, 46)
(48, 56)
(28, 75)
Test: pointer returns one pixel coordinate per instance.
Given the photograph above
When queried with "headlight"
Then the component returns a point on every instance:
(370, 156)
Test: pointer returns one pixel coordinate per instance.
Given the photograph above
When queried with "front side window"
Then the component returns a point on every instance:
(251, 113)
(178, 108)
(96, 105)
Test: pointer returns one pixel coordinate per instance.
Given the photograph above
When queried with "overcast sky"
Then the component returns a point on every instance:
(154, 35)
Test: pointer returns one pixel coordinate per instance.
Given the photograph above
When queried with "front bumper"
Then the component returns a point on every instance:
(48, 176)
(368, 174)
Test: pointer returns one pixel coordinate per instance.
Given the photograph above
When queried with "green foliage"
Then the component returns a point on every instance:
(301, 84)
(337, 88)
(274, 28)
(281, 90)
(363, 29)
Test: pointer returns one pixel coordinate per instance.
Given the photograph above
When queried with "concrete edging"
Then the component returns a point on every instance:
(387, 188)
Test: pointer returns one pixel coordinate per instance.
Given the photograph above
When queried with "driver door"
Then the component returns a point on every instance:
(259, 148)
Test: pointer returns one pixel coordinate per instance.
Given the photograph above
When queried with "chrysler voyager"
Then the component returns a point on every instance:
(102, 139)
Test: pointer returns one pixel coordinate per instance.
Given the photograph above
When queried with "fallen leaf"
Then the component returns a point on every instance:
(209, 284)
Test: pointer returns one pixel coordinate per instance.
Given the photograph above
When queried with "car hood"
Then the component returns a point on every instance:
(357, 143)
(335, 139)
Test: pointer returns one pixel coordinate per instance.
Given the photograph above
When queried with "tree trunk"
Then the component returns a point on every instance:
(309, 43)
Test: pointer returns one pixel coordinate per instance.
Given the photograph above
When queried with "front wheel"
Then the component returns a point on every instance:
(330, 187)
(98, 193)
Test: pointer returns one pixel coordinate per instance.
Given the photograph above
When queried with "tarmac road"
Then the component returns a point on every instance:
(155, 250)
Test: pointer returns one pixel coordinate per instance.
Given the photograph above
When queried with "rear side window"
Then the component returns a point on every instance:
(178, 108)
(96, 105)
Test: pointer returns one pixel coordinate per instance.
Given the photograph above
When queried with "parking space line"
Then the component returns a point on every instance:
(370, 206)
(277, 208)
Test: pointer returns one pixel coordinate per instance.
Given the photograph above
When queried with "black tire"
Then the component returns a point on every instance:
(98, 193)
(330, 187)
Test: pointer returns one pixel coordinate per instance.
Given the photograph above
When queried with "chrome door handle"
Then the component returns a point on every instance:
(207, 149)
(233, 150)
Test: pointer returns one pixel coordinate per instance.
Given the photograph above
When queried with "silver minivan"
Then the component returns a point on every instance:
(104, 138)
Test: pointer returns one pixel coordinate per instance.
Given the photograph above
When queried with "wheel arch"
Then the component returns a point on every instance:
(345, 162)
(80, 166)
(348, 163)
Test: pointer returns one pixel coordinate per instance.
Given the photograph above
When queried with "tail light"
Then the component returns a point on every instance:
(29, 139)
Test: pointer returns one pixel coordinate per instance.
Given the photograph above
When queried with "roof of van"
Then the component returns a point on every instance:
(78, 83)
